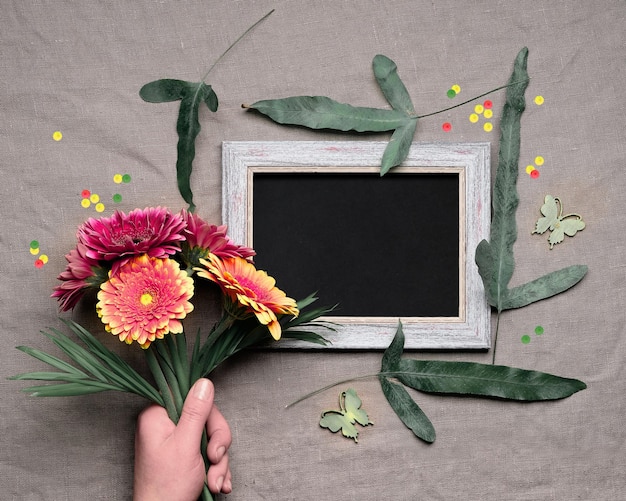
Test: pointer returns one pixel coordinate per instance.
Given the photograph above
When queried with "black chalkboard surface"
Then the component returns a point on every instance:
(377, 247)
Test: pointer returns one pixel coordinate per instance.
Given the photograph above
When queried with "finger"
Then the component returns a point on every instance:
(219, 478)
(195, 413)
(219, 436)
(153, 422)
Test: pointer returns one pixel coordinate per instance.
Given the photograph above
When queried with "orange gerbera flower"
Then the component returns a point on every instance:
(249, 291)
(145, 300)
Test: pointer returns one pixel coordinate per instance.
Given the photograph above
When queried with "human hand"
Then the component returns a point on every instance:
(168, 461)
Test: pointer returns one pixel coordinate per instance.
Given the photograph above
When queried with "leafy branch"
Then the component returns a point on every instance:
(320, 112)
(494, 258)
(190, 95)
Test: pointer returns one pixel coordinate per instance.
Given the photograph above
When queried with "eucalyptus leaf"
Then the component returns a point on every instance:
(544, 287)
(320, 112)
(398, 146)
(485, 380)
(164, 90)
(407, 410)
(385, 71)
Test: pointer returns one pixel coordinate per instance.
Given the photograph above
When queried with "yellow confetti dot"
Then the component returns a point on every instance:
(94, 198)
(57, 136)
(488, 126)
(488, 113)
(117, 179)
(473, 118)
(539, 100)
(85, 202)
(456, 88)
(34, 251)
(479, 108)
(100, 207)
(44, 258)
(538, 160)
(529, 169)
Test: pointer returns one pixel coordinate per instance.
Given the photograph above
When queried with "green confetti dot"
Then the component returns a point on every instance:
(117, 198)
(451, 93)
(34, 244)
(525, 339)
(126, 178)
(539, 330)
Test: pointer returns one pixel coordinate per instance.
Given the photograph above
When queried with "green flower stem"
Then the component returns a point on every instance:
(161, 382)
(182, 371)
(165, 359)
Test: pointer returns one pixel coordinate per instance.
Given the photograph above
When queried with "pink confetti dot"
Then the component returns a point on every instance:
(85, 193)
(534, 174)
(447, 127)
(39, 263)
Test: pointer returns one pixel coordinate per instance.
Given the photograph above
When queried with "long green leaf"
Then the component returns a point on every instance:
(48, 376)
(69, 389)
(386, 73)
(544, 287)
(391, 356)
(497, 254)
(52, 361)
(164, 90)
(407, 410)
(398, 146)
(485, 380)
(320, 112)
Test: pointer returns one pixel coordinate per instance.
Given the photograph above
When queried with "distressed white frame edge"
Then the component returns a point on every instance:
(474, 158)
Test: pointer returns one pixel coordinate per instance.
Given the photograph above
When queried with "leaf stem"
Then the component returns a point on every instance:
(495, 339)
(159, 378)
(473, 99)
(235, 43)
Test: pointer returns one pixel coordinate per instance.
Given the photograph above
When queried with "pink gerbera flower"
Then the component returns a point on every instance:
(154, 231)
(145, 300)
(203, 238)
(81, 273)
(249, 291)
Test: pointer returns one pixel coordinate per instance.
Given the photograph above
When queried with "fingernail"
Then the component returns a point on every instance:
(220, 453)
(228, 486)
(219, 482)
(202, 389)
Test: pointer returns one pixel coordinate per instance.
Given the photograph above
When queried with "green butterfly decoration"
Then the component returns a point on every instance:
(349, 413)
(556, 222)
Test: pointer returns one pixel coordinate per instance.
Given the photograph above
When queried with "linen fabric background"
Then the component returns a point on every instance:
(77, 67)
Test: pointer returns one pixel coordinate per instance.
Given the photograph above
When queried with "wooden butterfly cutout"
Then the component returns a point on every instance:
(556, 222)
(350, 412)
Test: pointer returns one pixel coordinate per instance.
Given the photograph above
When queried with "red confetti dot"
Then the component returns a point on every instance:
(39, 263)
(488, 104)
(85, 193)
(534, 174)
(447, 127)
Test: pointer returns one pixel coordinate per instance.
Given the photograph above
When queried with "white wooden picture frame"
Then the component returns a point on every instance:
(470, 329)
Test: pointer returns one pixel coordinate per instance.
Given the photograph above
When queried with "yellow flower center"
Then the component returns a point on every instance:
(146, 298)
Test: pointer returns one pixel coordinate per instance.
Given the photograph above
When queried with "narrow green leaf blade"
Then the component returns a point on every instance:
(486, 268)
(68, 389)
(188, 128)
(51, 360)
(505, 196)
(210, 98)
(407, 410)
(319, 112)
(398, 146)
(385, 71)
(391, 356)
(544, 287)
(485, 380)
(164, 90)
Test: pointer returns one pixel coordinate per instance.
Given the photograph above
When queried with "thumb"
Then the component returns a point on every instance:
(195, 413)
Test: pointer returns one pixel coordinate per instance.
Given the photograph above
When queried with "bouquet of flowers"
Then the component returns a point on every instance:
(143, 268)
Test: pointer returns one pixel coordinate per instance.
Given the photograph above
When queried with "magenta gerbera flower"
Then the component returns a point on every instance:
(203, 239)
(154, 231)
(145, 300)
(81, 273)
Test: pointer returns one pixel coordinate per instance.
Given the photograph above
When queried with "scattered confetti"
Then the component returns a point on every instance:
(85, 193)
(447, 127)
(117, 178)
(39, 263)
(85, 203)
(473, 118)
(488, 127)
(488, 113)
(100, 207)
(539, 161)
(456, 88)
(529, 169)
(525, 339)
(126, 178)
(539, 100)
(57, 136)
(451, 93)
(94, 198)
(117, 198)
(488, 104)
(34, 244)
(534, 174)
(539, 330)
(479, 108)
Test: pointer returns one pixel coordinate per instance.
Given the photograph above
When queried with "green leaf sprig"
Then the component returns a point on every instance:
(447, 378)
(190, 95)
(494, 258)
(320, 112)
